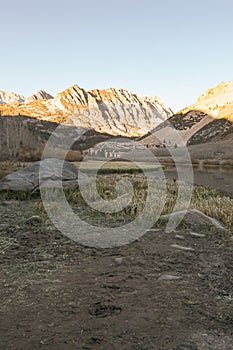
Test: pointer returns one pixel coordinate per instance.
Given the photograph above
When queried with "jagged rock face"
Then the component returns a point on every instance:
(112, 111)
(217, 102)
(39, 95)
(9, 97)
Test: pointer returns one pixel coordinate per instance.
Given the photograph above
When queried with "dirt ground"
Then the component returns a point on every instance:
(56, 294)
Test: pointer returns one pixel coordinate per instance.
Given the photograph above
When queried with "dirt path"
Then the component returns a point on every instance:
(148, 295)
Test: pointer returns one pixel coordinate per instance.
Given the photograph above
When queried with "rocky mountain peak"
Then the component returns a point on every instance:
(39, 95)
(9, 97)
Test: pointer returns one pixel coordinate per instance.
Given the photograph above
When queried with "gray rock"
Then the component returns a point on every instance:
(44, 174)
(194, 217)
(168, 277)
(118, 261)
(179, 237)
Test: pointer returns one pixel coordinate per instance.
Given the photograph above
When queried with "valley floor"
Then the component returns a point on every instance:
(148, 295)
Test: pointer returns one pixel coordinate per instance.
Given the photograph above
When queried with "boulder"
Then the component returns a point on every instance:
(28, 179)
(194, 218)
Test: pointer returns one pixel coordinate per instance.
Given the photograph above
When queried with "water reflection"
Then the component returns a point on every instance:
(216, 177)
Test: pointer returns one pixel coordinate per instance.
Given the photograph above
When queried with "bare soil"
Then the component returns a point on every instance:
(57, 294)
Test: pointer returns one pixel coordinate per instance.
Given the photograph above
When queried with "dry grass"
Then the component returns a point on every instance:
(208, 200)
(9, 166)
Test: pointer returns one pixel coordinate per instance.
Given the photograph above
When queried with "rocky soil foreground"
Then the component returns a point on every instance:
(166, 291)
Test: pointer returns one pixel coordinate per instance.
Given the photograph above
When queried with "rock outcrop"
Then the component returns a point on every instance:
(43, 174)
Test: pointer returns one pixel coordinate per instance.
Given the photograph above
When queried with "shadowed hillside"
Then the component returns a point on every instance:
(195, 127)
(23, 138)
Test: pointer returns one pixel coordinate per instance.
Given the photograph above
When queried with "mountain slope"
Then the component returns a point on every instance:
(217, 102)
(210, 119)
(24, 139)
(112, 111)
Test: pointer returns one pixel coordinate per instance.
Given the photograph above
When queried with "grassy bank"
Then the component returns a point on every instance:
(208, 200)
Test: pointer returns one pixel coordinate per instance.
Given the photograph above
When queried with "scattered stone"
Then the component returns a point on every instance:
(34, 220)
(176, 246)
(168, 277)
(118, 261)
(231, 238)
(153, 230)
(194, 234)
(179, 237)
(100, 311)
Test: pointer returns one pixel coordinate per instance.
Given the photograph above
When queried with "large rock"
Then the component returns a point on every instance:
(193, 217)
(27, 179)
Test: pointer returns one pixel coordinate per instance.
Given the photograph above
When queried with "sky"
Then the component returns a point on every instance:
(175, 49)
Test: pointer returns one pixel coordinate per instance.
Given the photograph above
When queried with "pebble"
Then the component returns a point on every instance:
(182, 248)
(169, 277)
(118, 261)
(179, 236)
(194, 234)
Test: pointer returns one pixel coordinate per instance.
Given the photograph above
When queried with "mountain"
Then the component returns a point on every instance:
(210, 119)
(111, 111)
(8, 97)
(11, 97)
(39, 95)
(216, 102)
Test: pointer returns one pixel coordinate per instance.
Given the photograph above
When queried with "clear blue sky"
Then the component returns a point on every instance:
(175, 49)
